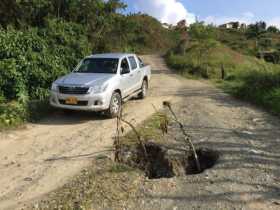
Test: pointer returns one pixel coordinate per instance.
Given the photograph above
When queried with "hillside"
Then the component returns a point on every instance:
(224, 60)
(233, 62)
(244, 42)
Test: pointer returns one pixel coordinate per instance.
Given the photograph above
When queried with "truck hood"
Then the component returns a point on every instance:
(84, 79)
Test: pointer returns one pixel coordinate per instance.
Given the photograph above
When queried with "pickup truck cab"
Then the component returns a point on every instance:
(102, 82)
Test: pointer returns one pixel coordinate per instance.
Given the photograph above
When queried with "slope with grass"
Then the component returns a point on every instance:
(245, 76)
(241, 41)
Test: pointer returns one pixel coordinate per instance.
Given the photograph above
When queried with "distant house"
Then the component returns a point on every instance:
(234, 25)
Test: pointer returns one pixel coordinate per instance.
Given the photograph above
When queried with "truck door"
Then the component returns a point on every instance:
(136, 73)
(126, 84)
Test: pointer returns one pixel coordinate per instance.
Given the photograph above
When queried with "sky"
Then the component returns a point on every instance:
(210, 11)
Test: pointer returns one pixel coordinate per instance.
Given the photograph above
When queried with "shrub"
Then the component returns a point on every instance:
(31, 59)
(261, 87)
(12, 114)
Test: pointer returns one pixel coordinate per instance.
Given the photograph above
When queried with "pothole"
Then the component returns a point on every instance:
(158, 165)
(207, 159)
(164, 162)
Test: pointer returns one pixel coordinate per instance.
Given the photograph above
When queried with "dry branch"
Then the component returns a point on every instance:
(187, 138)
(117, 140)
(139, 138)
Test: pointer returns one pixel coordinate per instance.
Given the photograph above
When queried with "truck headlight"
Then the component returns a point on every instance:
(98, 89)
(54, 87)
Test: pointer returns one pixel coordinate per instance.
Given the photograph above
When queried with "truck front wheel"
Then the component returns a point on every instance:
(115, 105)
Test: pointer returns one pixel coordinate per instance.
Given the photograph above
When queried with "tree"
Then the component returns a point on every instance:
(273, 29)
(257, 31)
(34, 12)
(8, 11)
(182, 29)
(204, 40)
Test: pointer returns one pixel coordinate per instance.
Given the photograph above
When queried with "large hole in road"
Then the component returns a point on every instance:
(164, 162)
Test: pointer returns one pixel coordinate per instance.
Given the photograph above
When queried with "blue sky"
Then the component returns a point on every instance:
(216, 11)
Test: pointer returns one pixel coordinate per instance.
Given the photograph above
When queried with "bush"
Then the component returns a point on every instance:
(31, 60)
(272, 99)
(178, 62)
(12, 114)
(261, 87)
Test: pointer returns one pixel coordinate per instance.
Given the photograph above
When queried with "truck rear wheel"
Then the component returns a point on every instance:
(144, 90)
(115, 105)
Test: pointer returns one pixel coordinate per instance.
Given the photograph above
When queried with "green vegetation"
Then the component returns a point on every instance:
(41, 40)
(31, 59)
(151, 129)
(230, 61)
(257, 40)
(260, 86)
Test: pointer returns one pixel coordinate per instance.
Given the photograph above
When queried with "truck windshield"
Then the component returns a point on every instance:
(98, 65)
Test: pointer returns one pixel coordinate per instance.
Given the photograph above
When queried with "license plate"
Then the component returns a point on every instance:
(71, 100)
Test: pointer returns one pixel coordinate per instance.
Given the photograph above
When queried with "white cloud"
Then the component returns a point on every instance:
(167, 11)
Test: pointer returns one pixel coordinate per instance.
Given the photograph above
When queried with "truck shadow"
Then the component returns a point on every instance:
(61, 117)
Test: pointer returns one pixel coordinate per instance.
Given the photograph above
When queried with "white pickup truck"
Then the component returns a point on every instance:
(101, 83)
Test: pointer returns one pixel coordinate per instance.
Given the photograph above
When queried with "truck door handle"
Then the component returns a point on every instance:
(131, 75)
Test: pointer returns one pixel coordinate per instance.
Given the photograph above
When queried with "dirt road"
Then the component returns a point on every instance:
(42, 157)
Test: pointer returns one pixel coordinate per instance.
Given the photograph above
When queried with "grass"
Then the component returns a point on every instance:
(150, 130)
(260, 88)
(246, 77)
(104, 183)
(232, 61)
(120, 168)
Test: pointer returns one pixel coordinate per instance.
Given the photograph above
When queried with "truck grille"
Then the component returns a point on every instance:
(73, 90)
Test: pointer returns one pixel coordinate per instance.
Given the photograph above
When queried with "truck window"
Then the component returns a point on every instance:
(124, 64)
(132, 62)
(98, 65)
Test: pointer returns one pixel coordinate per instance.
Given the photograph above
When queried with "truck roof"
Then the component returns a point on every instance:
(111, 55)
